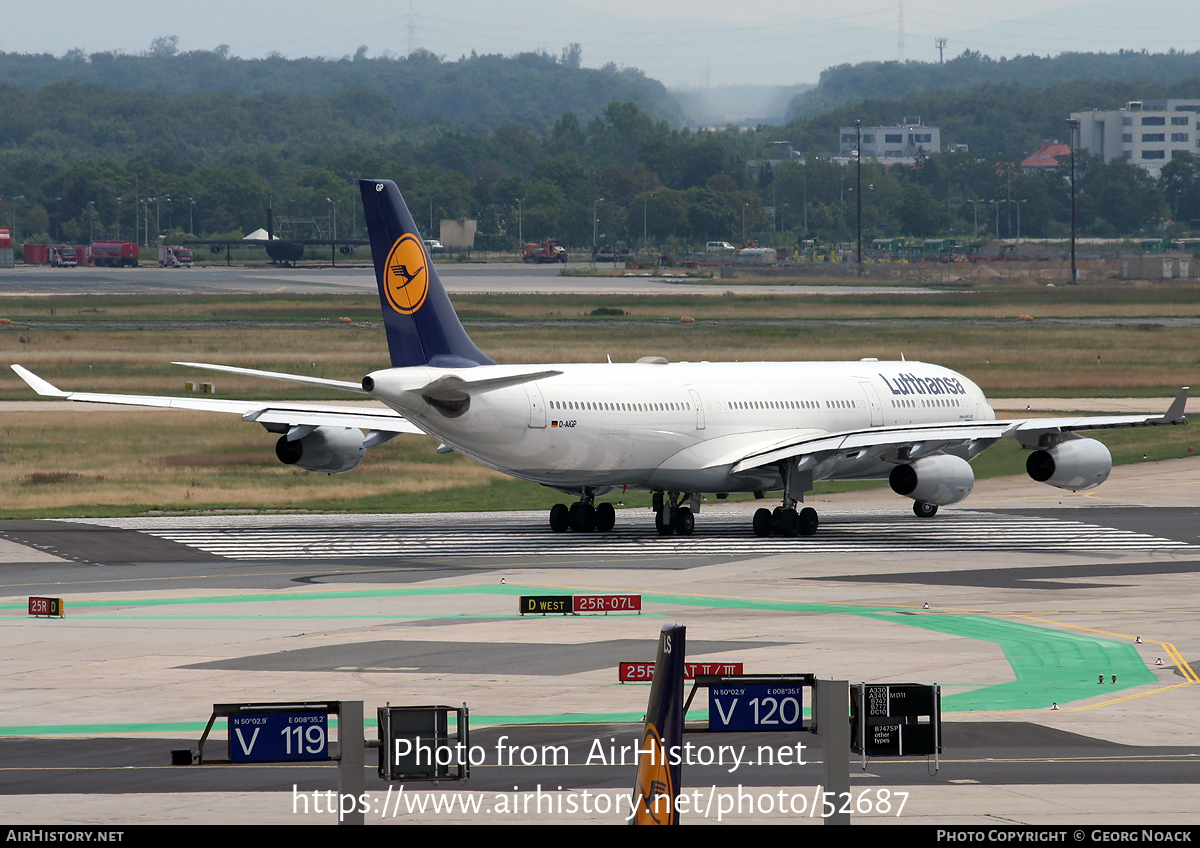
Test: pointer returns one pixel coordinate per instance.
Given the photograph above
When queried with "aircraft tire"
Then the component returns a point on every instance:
(584, 518)
(807, 521)
(924, 510)
(664, 528)
(560, 518)
(787, 523)
(683, 521)
(762, 522)
(606, 517)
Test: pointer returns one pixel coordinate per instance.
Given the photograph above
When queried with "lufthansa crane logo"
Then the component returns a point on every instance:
(406, 275)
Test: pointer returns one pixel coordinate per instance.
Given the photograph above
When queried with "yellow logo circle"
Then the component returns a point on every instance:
(406, 275)
(655, 799)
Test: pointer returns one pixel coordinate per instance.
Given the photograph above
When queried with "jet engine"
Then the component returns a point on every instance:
(1073, 465)
(940, 480)
(332, 450)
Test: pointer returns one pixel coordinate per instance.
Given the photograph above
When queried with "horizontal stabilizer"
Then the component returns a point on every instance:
(453, 387)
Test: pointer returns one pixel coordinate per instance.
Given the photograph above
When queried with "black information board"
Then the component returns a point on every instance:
(895, 720)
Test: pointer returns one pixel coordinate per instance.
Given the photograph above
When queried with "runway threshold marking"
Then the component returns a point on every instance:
(524, 534)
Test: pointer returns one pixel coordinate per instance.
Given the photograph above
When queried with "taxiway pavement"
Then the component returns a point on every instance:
(1029, 601)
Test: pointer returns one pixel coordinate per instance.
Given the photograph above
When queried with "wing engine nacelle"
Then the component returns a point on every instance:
(941, 480)
(332, 450)
(1073, 465)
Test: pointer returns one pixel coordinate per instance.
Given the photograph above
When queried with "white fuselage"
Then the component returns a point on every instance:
(679, 426)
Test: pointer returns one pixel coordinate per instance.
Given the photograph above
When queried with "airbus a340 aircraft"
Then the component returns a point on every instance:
(675, 429)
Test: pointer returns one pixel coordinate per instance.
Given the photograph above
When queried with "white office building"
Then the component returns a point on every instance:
(1147, 133)
(904, 141)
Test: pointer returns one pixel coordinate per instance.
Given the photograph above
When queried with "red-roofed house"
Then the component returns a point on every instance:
(1046, 157)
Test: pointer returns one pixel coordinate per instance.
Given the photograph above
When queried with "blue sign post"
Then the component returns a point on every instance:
(758, 706)
(278, 737)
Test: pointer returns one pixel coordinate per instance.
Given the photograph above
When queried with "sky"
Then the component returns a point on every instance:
(683, 43)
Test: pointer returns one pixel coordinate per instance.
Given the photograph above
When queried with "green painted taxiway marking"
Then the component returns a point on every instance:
(1050, 666)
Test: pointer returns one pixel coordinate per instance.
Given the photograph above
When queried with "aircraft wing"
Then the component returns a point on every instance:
(280, 415)
(906, 442)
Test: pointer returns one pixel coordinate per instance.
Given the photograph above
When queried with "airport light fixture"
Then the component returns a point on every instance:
(12, 217)
(1073, 126)
(595, 221)
(645, 214)
(1019, 202)
(858, 187)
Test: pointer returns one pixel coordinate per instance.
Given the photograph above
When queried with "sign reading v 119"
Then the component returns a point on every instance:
(278, 737)
(770, 706)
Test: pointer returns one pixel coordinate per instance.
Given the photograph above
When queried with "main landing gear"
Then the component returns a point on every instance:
(785, 521)
(584, 516)
(670, 516)
(924, 510)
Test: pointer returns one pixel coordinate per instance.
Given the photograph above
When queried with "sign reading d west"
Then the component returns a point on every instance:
(543, 604)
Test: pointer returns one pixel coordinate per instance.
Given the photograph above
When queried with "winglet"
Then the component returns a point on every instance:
(39, 385)
(1175, 413)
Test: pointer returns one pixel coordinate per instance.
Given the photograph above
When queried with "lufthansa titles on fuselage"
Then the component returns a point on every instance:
(911, 384)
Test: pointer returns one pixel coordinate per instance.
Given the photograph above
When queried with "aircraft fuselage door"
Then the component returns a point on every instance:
(873, 402)
(699, 408)
(537, 406)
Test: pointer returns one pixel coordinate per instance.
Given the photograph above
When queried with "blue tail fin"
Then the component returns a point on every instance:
(421, 326)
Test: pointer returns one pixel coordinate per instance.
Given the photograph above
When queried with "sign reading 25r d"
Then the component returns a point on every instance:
(278, 737)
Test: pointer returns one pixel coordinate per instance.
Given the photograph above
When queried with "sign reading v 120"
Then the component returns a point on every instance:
(768, 706)
(278, 737)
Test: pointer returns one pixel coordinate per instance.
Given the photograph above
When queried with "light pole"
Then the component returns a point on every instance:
(12, 219)
(1019, 202)
(119, 218)
(595, 224)
(333, 230)
(91, 221)
(645, 218)
(191, 209)
(975, 206)
(520, 226)
(858, 188)
(1073, 125)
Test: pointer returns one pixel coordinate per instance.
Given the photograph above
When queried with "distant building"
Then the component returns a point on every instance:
(1147, 133)
(1046, 157)
(904, 141)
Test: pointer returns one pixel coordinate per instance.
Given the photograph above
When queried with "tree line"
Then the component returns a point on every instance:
(83, 161)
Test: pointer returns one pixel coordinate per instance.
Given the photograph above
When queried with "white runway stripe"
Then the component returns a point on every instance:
(717, 533)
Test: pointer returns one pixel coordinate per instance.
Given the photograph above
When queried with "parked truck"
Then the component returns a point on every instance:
(547, 251)
(174, 256)
(115, 254)
(62, 256)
